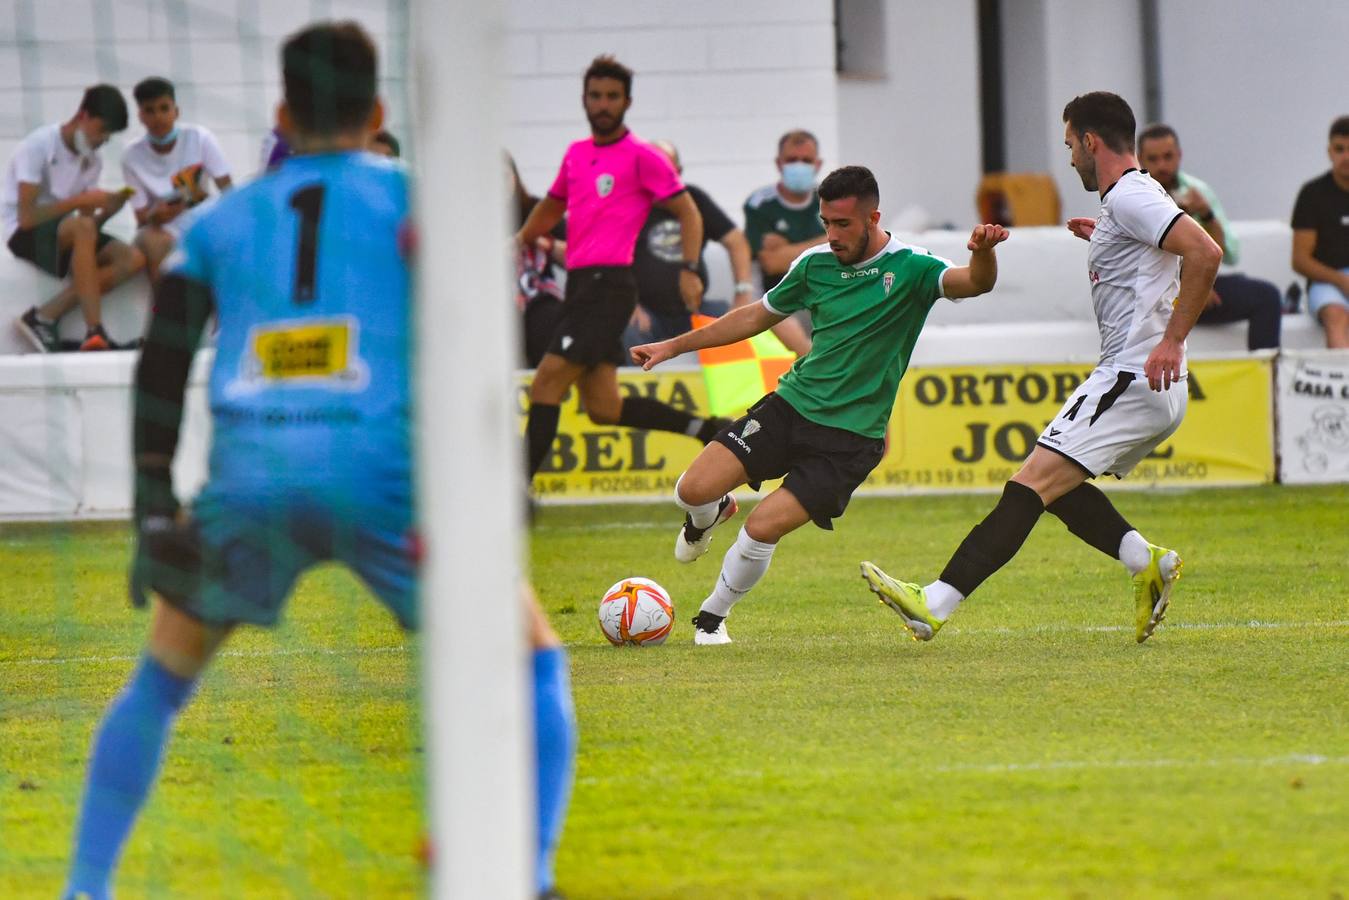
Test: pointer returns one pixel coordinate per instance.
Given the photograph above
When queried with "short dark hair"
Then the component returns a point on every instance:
(851, 181)
(605, 66)
(796, 135)
(153, 88)
(385, 137)
(1105, 114)
(1157, 131)
(1340, 127)
(329, 72)
(105, 102)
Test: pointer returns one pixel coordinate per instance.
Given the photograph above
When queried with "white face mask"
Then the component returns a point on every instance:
(82, 146)
(798, 176)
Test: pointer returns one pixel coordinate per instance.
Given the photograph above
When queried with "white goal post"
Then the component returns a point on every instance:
(470, 491)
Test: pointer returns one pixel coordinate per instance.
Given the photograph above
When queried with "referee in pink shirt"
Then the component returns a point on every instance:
(607, 185)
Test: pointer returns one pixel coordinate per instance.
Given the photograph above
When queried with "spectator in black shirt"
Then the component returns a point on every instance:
(658, 260)
(1321, 239)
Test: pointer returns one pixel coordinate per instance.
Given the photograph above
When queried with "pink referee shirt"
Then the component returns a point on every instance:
(609, 190)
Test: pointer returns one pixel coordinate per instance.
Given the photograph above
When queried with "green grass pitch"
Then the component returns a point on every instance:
(1031, 750)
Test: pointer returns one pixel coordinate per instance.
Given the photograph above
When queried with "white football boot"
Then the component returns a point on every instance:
(691, 542)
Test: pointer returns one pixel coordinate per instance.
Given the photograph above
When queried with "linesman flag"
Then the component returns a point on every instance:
(739, 374)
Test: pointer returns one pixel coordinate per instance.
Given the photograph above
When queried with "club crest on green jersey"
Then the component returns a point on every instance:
(888, 281)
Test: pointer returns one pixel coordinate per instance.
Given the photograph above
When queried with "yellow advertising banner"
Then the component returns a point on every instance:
(954, 428)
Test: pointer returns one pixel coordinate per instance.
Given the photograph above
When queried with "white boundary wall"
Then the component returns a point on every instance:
(67, 434)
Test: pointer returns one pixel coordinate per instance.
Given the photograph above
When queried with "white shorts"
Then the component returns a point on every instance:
(1113, 420)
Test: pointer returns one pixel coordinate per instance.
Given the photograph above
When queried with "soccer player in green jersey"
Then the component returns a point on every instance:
(868, 295)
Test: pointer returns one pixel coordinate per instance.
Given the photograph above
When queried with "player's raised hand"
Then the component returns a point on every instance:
(986, 237)
(1082, 227)
(648, 355)
(1163, 365)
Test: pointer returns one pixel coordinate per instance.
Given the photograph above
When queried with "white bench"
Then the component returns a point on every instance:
(1040, 311)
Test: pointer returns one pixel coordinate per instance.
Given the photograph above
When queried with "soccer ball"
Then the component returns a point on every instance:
(636, 611)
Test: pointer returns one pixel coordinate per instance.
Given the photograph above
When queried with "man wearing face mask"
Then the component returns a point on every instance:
(53, 212)
(782, 220)
(168, 168)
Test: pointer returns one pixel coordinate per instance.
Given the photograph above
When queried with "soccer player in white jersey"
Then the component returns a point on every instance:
(868, 295)
(1151, 269)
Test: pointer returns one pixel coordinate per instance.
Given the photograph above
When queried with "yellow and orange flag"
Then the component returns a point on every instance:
(739, 374)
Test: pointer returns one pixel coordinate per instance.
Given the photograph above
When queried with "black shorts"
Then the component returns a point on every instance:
(822, 465)
(40, 247)
(600, 301)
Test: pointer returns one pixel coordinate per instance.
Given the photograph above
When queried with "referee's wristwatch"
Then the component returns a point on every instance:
(690, 267)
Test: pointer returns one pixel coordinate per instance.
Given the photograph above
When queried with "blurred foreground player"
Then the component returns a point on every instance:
(311, 455)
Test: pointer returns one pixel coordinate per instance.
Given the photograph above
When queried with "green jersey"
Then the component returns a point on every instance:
(767, 213)
(866, 319)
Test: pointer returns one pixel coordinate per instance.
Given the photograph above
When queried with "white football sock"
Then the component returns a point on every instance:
(942, 599)
(704, 514)
(745, 563)
(1134, 552)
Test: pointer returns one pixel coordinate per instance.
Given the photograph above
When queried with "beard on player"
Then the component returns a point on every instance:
(850, 254)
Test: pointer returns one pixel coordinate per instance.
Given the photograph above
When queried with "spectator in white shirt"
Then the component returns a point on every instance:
(53, 213)
(168, 168)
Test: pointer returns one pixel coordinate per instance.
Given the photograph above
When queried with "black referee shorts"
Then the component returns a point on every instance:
(822, 465)
(600, 301)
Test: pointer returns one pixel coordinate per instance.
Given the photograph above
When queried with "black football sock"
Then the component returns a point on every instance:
(1091, 516)
(994, 541)
(643, 412)
(540, 431)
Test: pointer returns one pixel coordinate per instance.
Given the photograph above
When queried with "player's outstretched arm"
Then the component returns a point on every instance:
(1200, 256)
(982, 272)
(738, 324)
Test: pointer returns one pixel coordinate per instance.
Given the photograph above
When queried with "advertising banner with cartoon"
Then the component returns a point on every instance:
(1313, 416)
(954, 428)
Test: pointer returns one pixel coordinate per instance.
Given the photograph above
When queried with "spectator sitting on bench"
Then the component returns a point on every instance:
(1235, 296)
(1321, 239)
(53, 213)
(168, 168)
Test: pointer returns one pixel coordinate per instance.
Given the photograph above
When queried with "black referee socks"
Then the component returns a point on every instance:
(643, 412)
(994, 541)
(540, 431)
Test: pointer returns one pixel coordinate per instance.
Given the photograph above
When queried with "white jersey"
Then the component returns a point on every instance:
(1134, 283)
(43, 159)
(182, 171)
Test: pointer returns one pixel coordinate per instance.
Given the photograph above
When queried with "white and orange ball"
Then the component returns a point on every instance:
(636, 611)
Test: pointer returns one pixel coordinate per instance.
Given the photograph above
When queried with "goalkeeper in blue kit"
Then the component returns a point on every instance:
(306, 271)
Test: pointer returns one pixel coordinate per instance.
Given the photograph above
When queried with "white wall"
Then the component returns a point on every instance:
(918, 127)
(722, 79)
(1252, 89)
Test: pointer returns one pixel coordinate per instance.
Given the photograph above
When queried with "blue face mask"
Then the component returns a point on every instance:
(798, 177)
(166, 139)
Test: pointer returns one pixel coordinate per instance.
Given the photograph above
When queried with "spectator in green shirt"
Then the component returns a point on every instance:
(1235, 297)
